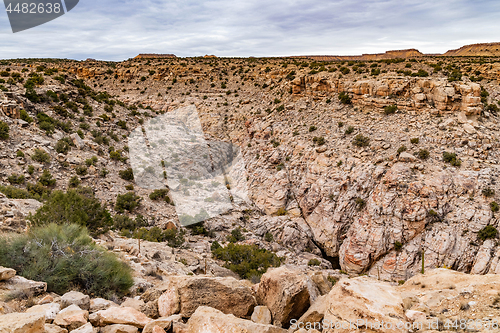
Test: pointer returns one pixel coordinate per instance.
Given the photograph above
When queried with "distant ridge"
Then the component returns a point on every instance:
(154, 56)
(475, 50)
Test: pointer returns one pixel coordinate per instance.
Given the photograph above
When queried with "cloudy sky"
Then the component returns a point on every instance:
(120, 29)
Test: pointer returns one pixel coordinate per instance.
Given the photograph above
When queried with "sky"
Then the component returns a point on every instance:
(118, 30)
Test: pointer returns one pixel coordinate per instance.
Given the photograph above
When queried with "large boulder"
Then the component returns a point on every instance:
(206, 319)
(22, 286)
(6, 273)
(22, 323)
(72, 317)
(48, 310)
(125, 316)
(119, 328)
(223, 293)
(76, 298)
(364, 301)
(287, 293)
(87, 328)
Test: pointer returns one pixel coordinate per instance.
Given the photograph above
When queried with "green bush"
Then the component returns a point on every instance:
(4, 131)
(319, 140)
(66, 258)
(63, 147)
(248, 261)
(360, 203)
(488, 192)
(26, 117)
(125, 223)
(16, 179)
(81, 170)
(390, 109)
(268, 237)
(314, 262)
(452, 159)
(235, 236)
(127, 202)
(414, 140)
(46, 179)
(344, 98)
(398, 246)
(91, 161)
(158, 194)
(488, 232)
(349, 130)
(401, 149)
(312, 128)
(173, 237)
(40, 156)
(494, 206)
(127, 174)
(423, 154)
(361, 141)
(74, 182)
(78, 206)
(20, 153)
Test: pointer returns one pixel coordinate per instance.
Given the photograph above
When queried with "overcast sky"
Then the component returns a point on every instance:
(118, 30)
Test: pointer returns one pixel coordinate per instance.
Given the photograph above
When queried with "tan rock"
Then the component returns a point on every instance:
(48, 310)
(51, 328)
(158, 329)
(367, 299)
(77, 298)
(97, 304)
(165, 323)
(133, 303)
(126, 316)
(211, 320)
(22, 323)
(6, 273)
(46, 300)
(119, 328)
(287, 293)
(405, 157)
(87, 328)
(71, 317)
(316, 312)
(261, 315)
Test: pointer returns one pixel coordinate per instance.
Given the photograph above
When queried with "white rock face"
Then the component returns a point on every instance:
(22, 323)
(48, 310)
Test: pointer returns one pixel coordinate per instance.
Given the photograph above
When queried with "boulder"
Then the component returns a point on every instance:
(77, 141)
(119, 328)
(97, 304)
(22, 323)
(48, 310)
(23, 286)
(76, 298)
(164, 322)
(133, 303)
(206, 319)
(287, 293)
(87, 328)
(261, 315)
(223, 293)
(367, 299)
(6, 273)
(405, 157)
(72, 317)
(51, 328)
(126, 316)
(316, 312)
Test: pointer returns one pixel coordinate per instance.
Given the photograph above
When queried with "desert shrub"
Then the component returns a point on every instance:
(158, 194)
(40, 156)
(344, 98)
(173, 237)
(414, 141)
(312, 128)
(76, 206)
(66, 258)
(488, 232)
(314, 262)
(81, 170)
(360, 203)
(20, 153)
(16, 179)
(390, 109)
(398, 246)
(452, 159)
(26, 117)
(268, 237)
(494, 206)
(488, 192)
(63, 147)
(361, 141)
(127, 174)
(74, 182)
(235, 236)
(319, 140)
(349, 130)
(12, 192)
(91, 161)
(423, 154)
(248, 261)
(4, 131)
(401, 149)
(46, 178)
(125, 223)
(127, 202)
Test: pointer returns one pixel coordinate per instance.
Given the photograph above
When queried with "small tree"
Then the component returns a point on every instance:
(4, 131)
(128, 202)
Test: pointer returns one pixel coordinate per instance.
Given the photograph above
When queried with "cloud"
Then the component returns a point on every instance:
(117, 30)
